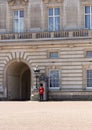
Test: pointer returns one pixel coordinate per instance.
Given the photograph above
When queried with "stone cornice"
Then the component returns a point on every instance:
(17, 2)
(47, 1)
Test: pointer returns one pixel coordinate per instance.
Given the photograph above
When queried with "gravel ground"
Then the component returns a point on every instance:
(64, 115)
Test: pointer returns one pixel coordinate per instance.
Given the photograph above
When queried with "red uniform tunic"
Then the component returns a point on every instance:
(41, 90)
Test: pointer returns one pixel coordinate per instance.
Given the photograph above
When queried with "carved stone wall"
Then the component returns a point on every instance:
(35, 16)
(3, 17)
(47, 1)
(71, 14)
(14, 2)
(86, 2)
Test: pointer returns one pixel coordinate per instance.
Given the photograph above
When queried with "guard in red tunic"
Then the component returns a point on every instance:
(41, 92)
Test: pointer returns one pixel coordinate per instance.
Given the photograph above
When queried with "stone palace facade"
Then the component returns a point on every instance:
(54, 35)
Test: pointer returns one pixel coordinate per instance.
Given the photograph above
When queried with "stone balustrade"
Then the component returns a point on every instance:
(44, 35)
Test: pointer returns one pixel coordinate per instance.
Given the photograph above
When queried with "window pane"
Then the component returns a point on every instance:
(21, 13)
(57, 11)
(87, 21)
(53, 54)
(21, 25)
(16, 14)
(57, 23)
(89, 74)
(87, 9)
(50, 24)
(54, 78)
(91, 9)
(89, 84)
(91, 22)
(16, 25)
(89, 78)
(89, 54)
(54, 19)
(51, 12)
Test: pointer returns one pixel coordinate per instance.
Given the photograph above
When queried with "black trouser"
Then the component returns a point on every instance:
(41, 97)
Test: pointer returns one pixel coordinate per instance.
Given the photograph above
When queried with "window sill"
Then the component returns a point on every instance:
(88, 88)
(58, 88)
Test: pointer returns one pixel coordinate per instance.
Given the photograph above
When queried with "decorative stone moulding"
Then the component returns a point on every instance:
(17, 2)
(86, 1)
(47, 1)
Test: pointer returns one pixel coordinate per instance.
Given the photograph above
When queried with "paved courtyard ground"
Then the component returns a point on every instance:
(64, 115)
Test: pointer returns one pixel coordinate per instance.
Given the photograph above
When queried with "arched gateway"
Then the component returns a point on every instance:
(18, 81)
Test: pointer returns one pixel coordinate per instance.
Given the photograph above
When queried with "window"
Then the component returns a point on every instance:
(53, 55)
(18, 21)
(89, 54)
(89, 78)
(54, 19)
(54, 79)
(88, 17)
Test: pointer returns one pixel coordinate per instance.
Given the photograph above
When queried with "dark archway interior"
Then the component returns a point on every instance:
(18, 81)
(25, 82)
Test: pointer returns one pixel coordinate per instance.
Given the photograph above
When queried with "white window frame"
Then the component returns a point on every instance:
(90, 14)
(19, 19)
(53, 16)
(58, 87)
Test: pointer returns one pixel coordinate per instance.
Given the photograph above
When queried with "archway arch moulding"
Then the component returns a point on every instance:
(18, 58)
